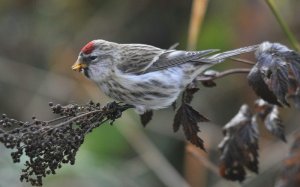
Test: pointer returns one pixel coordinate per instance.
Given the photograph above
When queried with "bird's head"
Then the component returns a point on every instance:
(95, 58)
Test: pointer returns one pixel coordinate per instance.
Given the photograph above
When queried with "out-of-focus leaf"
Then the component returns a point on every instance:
(259, 86)
(274, 124)
(146, 117)
(290, 172)
(189, 118)
(239, 146)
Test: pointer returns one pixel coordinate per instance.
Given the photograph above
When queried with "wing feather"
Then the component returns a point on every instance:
(172, 58)
(140, 59)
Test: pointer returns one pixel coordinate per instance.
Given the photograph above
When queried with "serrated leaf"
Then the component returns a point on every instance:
(279, 79)
(272, 68)
(239, 148)
(189, 92)
(259, 86)
(146, 117)
(189, 118)
(274, 124)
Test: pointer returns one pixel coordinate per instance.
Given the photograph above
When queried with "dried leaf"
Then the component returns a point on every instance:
(239, 146)
(262, 108)
(259, 86)
(279, 79)
(189, 92)
(146, 117)
(189, 118)
(274, 124)
(272, 68)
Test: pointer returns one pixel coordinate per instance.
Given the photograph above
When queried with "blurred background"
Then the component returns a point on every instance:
(40, 40)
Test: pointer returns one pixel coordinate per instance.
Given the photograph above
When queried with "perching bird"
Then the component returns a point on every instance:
(145, 76)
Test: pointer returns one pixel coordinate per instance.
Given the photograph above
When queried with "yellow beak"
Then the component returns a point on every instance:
(78, 65)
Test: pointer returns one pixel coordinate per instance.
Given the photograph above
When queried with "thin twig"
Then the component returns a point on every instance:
(223, 74)
(245, 61)
(283, 25)
(57, 119)
(76, 118)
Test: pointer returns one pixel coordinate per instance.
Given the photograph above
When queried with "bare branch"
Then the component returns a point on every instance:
(223, 74)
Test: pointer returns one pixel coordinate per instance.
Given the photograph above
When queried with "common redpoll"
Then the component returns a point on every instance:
(145, 76)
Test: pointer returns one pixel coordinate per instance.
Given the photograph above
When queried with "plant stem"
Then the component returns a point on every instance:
(223, 74)
(283, 25)
(196, 20)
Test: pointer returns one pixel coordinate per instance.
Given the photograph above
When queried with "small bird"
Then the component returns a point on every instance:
(145, 76)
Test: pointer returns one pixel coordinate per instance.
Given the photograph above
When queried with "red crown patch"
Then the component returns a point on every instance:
(88, 48)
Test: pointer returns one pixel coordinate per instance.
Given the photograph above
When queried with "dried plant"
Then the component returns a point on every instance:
(49, 144)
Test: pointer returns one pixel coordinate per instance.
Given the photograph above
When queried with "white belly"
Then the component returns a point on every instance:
(154, 90)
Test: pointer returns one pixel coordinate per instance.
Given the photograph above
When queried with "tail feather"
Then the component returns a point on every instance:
(220, 57)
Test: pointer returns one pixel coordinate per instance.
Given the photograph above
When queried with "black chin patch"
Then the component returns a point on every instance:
(86, 72)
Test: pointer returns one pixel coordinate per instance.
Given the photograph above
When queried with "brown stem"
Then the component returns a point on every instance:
(72, 119)
(223, 74)
(57, 119)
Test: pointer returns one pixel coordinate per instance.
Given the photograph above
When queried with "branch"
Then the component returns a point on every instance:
(223, 74)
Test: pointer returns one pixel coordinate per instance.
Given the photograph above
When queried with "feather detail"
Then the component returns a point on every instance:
(173, 58)
(141, 59)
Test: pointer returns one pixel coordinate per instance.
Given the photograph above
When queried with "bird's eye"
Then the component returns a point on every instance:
(92, 58)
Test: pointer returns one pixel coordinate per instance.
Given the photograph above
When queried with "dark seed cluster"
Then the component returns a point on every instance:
(49, 144)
